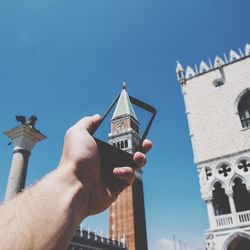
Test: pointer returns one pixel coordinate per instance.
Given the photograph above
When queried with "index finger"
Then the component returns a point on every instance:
(146, 146)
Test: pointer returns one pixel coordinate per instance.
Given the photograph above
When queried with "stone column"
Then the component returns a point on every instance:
(23, 139)
(232, 206)
(210, 212)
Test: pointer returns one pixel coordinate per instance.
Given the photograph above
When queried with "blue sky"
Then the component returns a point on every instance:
(62, 60)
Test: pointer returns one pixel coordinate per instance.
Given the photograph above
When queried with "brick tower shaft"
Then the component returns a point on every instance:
(127, 214)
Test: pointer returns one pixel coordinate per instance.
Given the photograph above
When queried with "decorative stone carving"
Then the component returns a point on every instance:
(244, 165)
(218, 62)
(203, 67)
(189, 72)
(224, 170)
(233, 55)
(247, 49)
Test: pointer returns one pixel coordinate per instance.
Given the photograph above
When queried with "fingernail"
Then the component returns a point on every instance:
(116, 171)
(119, 171)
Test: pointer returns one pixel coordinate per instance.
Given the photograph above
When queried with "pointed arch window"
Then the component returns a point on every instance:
(244, 109)
(241, 195)
(220, 200)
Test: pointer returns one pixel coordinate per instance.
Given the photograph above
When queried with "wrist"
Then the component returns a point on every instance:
(75, 191)
(59, 199)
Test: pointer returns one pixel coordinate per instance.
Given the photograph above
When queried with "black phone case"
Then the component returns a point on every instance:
(112, 157)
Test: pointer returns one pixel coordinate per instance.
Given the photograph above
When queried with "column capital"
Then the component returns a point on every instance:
(208, 199)
(229, 192)
(22, 151)
(24, 137)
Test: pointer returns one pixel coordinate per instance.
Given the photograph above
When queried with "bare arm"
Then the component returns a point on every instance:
(46, 215)
(42, 217)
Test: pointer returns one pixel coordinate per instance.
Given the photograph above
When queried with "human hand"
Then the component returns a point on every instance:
(81, 156)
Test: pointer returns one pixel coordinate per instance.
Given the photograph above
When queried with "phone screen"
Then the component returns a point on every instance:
(118, 120)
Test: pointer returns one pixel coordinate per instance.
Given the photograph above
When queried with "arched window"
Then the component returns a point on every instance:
(244, 109)
(122, 144)
(126, 143)
(239, 243)
(220, 200)
(241, 196)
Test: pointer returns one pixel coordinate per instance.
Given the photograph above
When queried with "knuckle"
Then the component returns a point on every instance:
(69, 132)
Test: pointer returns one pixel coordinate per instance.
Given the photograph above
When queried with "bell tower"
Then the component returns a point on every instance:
(127, 214)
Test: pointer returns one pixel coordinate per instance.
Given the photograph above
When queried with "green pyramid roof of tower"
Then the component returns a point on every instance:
(124, 106)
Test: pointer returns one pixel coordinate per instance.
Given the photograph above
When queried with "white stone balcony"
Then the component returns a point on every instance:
(224, 220)
(232, 220)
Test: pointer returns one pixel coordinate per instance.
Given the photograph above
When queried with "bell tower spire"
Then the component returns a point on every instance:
(127, 213)
(124, 85)
(124, 124)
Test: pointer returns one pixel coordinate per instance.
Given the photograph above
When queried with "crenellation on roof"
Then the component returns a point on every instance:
(247, 49)
(205, 67)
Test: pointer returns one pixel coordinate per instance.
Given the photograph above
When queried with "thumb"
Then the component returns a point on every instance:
(88, 123)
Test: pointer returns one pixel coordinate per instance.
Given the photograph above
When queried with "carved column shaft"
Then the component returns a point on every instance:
(210, 212)
(18, 171)
(231, 203)
(232, 207)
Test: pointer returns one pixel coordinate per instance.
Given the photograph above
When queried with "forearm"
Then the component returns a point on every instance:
(44, 216)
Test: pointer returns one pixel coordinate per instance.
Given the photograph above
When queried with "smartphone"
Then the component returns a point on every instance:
(111, 156)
